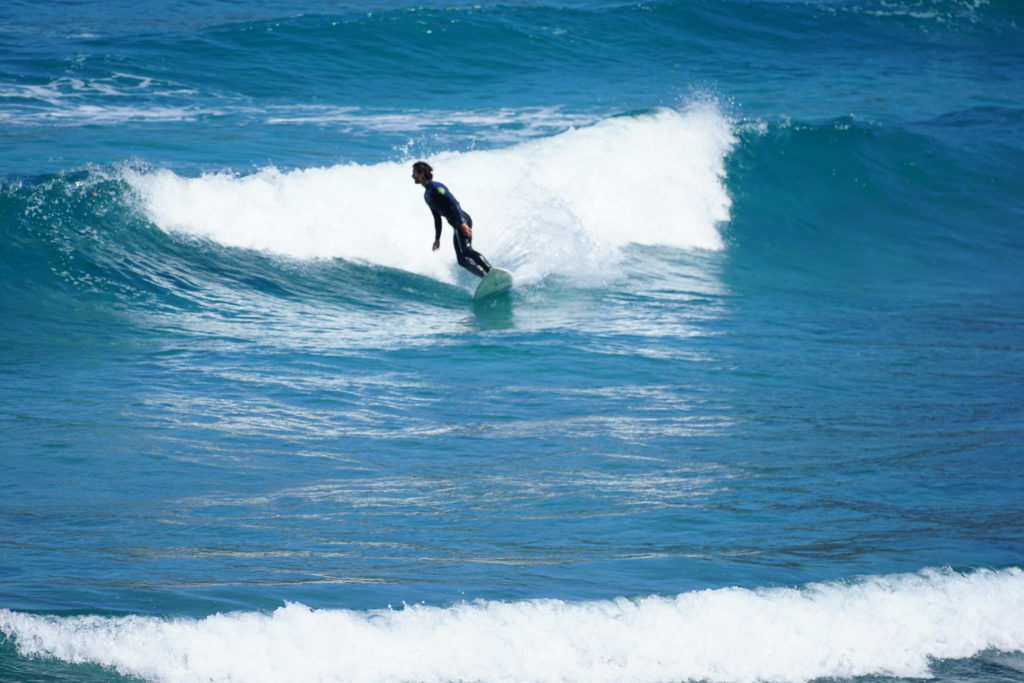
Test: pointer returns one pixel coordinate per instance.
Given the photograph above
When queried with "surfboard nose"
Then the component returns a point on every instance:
(495, 282)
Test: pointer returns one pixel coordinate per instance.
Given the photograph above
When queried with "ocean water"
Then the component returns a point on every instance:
(754, 410)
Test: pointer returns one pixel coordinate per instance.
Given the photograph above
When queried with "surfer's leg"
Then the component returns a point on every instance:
(472, 253)
(465, 255)
(477, 256)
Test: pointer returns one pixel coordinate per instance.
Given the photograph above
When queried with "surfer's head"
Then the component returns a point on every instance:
(422, 172)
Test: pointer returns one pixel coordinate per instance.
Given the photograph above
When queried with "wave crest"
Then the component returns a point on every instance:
(565, 204)
(884, 625)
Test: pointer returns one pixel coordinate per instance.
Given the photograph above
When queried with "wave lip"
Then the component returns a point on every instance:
(884, 625)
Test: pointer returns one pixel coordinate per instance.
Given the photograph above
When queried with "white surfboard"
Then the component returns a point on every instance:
(495, 282)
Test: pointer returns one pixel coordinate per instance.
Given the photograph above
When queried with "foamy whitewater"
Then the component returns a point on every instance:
(562, 204)
(751, 413)
(892, 625)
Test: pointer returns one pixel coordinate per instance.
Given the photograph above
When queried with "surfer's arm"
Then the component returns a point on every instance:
(437, 229)
(437, 225)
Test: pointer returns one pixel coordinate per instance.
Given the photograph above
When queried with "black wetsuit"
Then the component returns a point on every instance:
(443, 203)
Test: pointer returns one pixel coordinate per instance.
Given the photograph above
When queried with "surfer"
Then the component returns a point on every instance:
(443, 203)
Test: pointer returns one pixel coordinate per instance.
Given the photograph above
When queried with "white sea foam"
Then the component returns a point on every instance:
(101, 101)
(567, 203)
(531, 120)
(106, 115)
(887, 625)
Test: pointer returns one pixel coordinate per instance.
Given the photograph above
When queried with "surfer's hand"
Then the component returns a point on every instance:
(437, 245)
(466, 230)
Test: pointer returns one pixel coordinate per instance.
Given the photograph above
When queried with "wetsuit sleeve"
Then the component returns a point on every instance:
(437, 224)
(430, 197)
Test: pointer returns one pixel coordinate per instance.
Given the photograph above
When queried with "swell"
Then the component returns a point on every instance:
(844, 198)
(829, 198)
(495, 56)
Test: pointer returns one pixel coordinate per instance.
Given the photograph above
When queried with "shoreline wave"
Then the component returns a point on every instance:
(896, 625)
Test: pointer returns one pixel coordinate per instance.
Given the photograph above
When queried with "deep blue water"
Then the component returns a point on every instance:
(753, 412)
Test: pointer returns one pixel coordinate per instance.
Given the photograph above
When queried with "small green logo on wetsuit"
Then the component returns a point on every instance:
(441, 190)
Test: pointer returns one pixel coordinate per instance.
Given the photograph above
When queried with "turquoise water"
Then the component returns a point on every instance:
(753, 412)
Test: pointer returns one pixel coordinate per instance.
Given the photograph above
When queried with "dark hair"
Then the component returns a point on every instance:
(424, 168)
